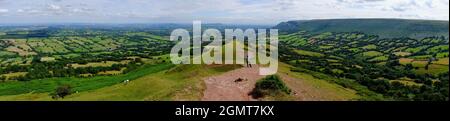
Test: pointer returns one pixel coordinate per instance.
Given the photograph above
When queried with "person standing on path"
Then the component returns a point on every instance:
(246, 60)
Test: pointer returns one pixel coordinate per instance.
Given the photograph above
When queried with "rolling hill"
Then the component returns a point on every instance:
(384, 28)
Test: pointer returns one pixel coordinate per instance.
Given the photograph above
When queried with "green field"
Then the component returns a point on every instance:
(319, 60)
(158, 82)
(6, 53)
(433, 69)
(372, 54)
(370, 47)
(308, 53)
(79, 84)
(379, 58)
(381, 27)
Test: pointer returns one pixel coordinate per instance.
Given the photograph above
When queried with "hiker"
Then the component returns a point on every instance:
(248, 64)
(246, 60)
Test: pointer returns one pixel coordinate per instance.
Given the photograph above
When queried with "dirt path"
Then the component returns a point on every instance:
(224, 88)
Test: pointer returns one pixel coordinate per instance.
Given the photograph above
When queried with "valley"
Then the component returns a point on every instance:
(85, 63)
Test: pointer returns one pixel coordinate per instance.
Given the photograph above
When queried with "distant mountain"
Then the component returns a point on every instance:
(385, 28)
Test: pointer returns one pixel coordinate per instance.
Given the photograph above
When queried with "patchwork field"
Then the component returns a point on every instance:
(99, 64)
(132, 63)
(308, 53)
(372, 54)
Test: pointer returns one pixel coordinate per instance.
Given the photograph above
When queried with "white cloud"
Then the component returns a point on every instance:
(54, 7)
(229, 11)
(4, 10)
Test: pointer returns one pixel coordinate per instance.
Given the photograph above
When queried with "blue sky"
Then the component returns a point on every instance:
(214, 11)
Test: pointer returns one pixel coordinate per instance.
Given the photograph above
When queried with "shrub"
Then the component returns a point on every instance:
(270, 85)
(63, 91)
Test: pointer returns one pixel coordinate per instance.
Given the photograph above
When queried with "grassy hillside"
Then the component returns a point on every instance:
(391, 67)
(320, 60)
(182, 82)
(78, 84)
(385, 28)
(171, 84)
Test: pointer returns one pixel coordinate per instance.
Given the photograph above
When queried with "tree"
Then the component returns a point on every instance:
(2, 78)
(409, 66)
(63, 91)
(393, 60)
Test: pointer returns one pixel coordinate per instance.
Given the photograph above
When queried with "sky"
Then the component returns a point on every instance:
(214, 11)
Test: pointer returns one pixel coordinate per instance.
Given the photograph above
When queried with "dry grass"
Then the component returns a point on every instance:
(442, 61)
(47, 59)
(20, 51)
(405, 60)
(100, 64)
(15, 74)
(402, 54)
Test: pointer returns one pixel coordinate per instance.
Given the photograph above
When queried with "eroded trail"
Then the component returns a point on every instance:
(228, 87)
(305, 88)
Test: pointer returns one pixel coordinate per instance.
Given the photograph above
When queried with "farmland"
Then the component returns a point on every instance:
(131, 63)
(373, 62)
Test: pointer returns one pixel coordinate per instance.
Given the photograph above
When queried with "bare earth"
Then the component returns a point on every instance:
(224, 88)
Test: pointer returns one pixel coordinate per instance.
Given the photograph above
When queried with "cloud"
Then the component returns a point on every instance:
(225, 11)
(359, 1)
(53, 7)
(55, 10)
(3, 11)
